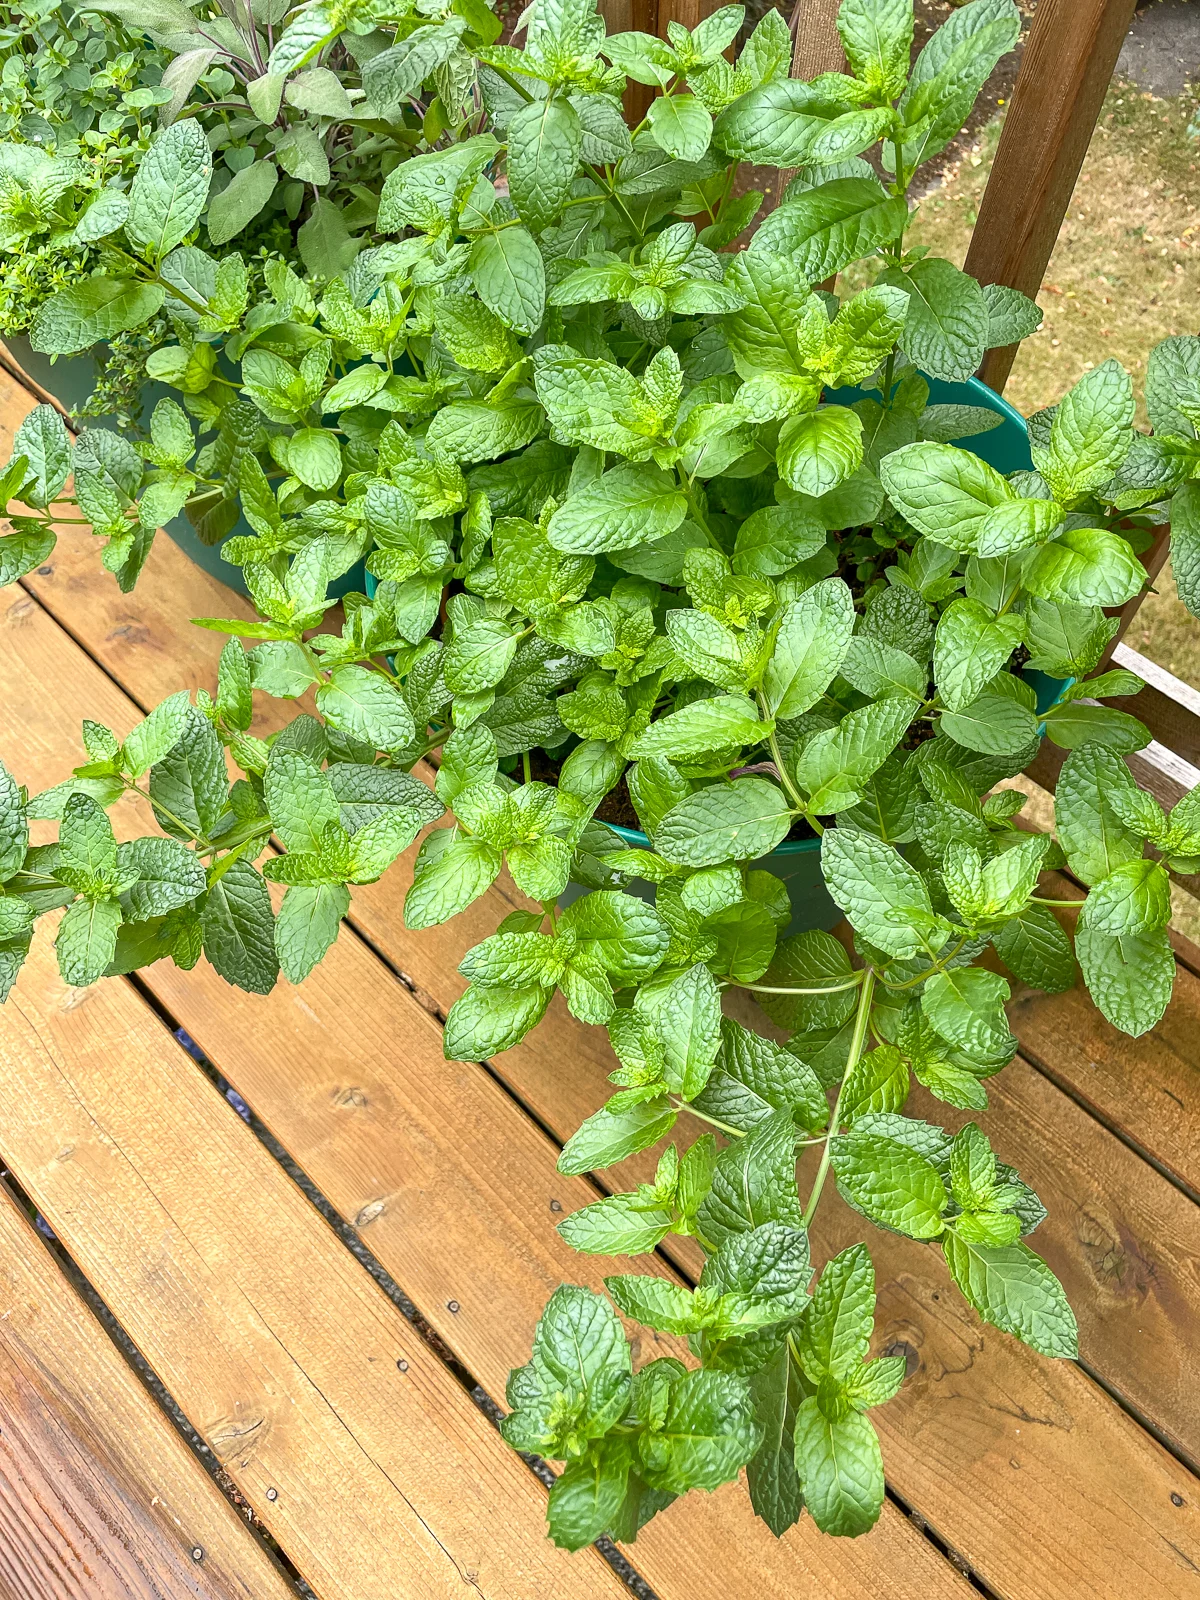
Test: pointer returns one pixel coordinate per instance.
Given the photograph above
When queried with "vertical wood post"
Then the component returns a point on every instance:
(1068, 63)
(633, 16)
(817, 48)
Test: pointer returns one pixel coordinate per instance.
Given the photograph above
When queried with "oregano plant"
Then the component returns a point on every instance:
(660, 536)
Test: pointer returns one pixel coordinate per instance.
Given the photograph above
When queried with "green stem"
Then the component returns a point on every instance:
(857, 1039)
(725, 1127)
(938, 966)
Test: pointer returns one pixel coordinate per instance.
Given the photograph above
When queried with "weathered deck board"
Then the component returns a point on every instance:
(279, 1349)
(348, 1072)
(1069, 1501)
(99, 1498)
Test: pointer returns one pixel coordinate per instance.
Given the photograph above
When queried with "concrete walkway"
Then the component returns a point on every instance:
(1162, 51)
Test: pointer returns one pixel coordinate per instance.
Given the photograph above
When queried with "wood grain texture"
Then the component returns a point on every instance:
(1068, 63)
(817, 48)
(277, 1346)
(536, 1072)
(452, 1187)
(99, 1497)
(1169, 707)
(1127, 1250)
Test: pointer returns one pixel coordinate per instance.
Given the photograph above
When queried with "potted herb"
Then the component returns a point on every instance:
(635, 551)
(282, 126)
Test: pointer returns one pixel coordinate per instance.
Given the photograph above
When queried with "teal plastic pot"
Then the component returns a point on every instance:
(71, 380)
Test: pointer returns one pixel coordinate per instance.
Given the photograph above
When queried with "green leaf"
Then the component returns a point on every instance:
(774, 538)
(449, 874)
(970, 648)
(771, 1475)
(14, 829)
(366, 706)
(1036, 949)
(474, 336)
(754, 1181)
(239, 930)
(654, 1302)
(713, 724)
(1134, 898)
(840, 1467)
(1090, 828)
(85, 839)
(877, 38)
(821, 450)
(87, 939)
(824, 229)
(835, 764)
(884, 898)
(157, 735)
(628, 505)
(609, 1136)
(484, 1021)
(738, 821)
(1091, 433)
(688, 1016)
(946, 328)
(1130, 976)
(326, 245)
(93, 312)
(617, 1225)
(836, 1331)
(169, 876)
(240, 201)
(788, 123)
(753, 1078)
(1014, 1290)
(681, 126)
(966, 1006)
(707, 1436)
(944, 492)
(45, 443)
(307, 925)
(510, 277)
(1087, 566)
(1012, 316)
(587, 1497)
(544, 141)
(1074, 724)
(949, 73)
(300, 799)
(622, 934)
(813, 636)
(994, 723)
(891, 1184)
(879, 1082)
(169, 189)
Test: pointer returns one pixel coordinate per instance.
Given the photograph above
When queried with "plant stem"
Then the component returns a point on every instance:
(857, 1039)
(683, 1105)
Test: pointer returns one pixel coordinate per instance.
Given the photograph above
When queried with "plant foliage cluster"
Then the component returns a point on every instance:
(665, 518)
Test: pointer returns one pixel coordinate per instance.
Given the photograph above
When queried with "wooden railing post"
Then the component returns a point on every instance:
(817, 48)
(1068, 64)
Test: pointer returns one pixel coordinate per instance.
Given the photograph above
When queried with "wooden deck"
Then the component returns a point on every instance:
(345, 1415)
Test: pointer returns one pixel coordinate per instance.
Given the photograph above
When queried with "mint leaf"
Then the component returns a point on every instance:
(1014, 1289)
(840, 1468)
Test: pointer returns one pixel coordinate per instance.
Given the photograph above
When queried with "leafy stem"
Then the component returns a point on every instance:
(857, 1039)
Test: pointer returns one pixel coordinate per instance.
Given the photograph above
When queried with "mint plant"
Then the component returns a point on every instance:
(277, 126)
(632, 544)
